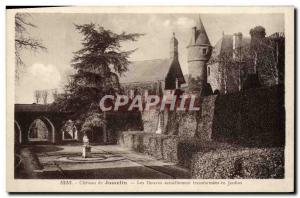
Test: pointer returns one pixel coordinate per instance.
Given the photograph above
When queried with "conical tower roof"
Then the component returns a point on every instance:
(200, 37)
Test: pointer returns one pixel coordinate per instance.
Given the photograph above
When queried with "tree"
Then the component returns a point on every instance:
(98, 66)
(45, 96)
(23, 40)
(263, 53)
(55, 94)
(37, 96)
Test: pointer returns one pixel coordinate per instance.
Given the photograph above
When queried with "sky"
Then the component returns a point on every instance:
(48, 70)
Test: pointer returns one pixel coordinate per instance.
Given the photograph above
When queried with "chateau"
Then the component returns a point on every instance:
(236, 62)
(165, 75)
(213, 106)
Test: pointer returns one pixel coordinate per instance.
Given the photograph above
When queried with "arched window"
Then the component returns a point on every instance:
(204, 50)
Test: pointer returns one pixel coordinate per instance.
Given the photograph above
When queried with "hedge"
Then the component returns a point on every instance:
(235, 163)
(162, 147)
(168, 147)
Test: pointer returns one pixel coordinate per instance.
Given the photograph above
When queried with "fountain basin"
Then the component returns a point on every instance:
(94, 158)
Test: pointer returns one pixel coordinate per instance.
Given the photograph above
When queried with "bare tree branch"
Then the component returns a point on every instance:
(23, 41)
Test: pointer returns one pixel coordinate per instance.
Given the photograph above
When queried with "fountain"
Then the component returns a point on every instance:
(86, 148)
(99, 156)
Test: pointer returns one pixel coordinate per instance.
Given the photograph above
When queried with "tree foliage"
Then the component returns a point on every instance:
(264, 56)
(98, 65)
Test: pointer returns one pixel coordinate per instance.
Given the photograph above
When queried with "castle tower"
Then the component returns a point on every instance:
(199, 52)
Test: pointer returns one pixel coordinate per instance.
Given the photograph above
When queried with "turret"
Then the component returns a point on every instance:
(199, 52)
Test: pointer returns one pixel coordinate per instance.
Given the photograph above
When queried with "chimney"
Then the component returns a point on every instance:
(237, 40)
(194, 34)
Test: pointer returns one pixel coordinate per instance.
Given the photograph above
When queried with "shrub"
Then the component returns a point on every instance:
(188, 147)
(169, 148)
(234, 163)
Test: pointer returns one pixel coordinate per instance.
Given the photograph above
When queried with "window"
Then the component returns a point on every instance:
(204, 51)
(208, 71)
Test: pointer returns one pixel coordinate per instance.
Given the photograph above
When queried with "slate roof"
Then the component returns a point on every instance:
(145, 71)
(226, 44)
(201, 35)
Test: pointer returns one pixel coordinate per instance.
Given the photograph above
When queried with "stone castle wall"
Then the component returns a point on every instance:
(252, 117)
(150, 121)
(249, 119)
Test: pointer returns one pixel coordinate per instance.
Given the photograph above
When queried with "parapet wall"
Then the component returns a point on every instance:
(253, 118)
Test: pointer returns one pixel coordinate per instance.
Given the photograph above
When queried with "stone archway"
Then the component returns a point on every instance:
(51, 126)
(41, 129)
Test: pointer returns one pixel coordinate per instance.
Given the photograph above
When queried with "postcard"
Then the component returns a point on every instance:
(150, 99)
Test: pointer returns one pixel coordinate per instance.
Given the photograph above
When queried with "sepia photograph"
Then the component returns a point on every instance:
(198, 99)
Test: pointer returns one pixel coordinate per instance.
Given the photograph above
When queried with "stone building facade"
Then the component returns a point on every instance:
(154, 77)
(160, 77)
(239, 62)
(225, 67)
(235, 63)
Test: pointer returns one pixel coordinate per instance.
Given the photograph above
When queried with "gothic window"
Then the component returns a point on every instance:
(208, 71)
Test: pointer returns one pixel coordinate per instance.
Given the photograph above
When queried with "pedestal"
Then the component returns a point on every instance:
(86, 151)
